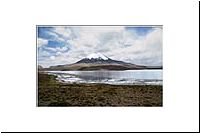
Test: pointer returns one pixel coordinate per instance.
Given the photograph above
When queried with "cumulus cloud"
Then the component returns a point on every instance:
(52, 57)
(115, 42)
(146, 50)
(65, 32)
(41, 42)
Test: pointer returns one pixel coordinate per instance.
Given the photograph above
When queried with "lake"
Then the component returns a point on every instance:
(126, 77)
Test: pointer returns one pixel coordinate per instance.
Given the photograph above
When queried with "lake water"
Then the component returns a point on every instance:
(127, 77)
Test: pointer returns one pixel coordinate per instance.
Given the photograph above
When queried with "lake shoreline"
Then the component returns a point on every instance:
(56, 94)
(129, 77)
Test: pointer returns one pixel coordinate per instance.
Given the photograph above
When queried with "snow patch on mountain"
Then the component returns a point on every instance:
(97, 56)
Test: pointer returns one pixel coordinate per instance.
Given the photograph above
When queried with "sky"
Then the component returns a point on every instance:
(59, 45)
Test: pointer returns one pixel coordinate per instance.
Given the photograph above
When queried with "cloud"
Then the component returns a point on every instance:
(115, 42)
(52, 57)
(65, 32)
(41, 42)
(146, 50)
(55, 37)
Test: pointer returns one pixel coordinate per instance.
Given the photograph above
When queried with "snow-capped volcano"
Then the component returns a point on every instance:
(98, 61)
(97, 56)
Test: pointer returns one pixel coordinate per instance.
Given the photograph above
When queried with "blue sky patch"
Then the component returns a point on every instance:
(43, 32)
(55, 44)
(142, 31)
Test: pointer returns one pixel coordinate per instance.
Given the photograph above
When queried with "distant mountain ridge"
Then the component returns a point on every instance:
(40, 67)
(97, 61)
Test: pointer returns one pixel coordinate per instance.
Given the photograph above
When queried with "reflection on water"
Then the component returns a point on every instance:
(111, 77)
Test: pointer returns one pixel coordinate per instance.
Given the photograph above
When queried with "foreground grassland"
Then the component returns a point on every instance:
(54, 93)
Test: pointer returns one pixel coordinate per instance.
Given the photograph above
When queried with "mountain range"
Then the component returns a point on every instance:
(98, 61)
